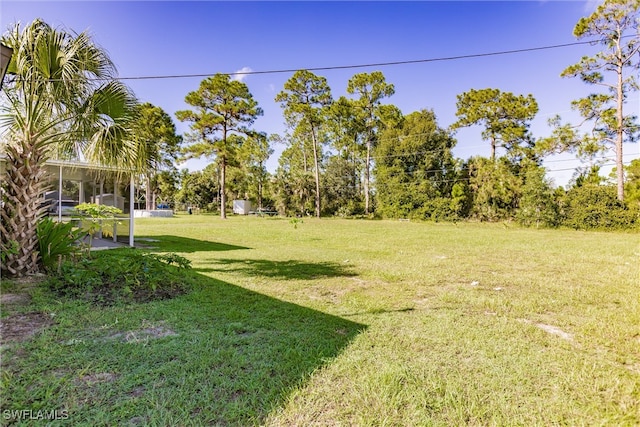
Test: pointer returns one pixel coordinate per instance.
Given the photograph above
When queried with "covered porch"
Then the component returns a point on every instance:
(77, 182)
(73, 182)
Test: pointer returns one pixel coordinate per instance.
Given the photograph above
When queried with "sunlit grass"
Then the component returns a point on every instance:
(340, 322)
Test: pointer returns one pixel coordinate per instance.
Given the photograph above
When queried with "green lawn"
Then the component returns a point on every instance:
(344, 322)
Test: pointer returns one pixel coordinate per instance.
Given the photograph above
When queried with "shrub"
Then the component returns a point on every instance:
(350, 208)
(597, 207)
(57, 241)
(123, 275)
(538, 206)
(94, 217)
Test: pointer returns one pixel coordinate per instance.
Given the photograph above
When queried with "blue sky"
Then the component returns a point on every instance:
(150, 38)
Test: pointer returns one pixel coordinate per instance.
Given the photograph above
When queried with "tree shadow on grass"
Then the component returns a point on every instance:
(227, 356)
(184, 245)
(288, 270)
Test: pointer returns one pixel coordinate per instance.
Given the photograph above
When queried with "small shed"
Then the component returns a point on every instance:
(241, 207)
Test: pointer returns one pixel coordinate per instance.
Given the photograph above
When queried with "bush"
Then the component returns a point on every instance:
(597, 207)
(435, 209)
(538, 206)
(123, 275)
(57, 241)
(94, 217)
(350, 209)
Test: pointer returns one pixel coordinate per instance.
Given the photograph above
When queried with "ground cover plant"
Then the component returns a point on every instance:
(123, 275)
(344, 322)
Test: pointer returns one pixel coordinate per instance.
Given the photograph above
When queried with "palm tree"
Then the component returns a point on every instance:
(61, 101)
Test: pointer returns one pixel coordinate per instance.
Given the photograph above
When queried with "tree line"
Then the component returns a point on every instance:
(360, 156)
(357, 155)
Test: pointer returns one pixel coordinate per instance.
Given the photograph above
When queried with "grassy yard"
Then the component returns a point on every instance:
(339, 322)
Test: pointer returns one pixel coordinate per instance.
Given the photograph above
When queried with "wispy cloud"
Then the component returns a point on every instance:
(241, 74)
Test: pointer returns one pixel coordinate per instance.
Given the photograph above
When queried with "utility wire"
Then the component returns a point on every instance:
(352, 66)
(378, 64)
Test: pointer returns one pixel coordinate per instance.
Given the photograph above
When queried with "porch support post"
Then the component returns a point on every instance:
(115, 203)
(100, 202)
(131, 197)
(81, 189)
(60, 194)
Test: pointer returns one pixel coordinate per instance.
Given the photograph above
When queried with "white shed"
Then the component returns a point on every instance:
(241, 207)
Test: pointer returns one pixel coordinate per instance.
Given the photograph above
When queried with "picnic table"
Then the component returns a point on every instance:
(263, 212)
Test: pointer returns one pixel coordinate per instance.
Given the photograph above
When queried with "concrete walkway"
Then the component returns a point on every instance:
(102, 244)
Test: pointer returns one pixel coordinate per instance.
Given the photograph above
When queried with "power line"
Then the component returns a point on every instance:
(378, 64)
(352, 66)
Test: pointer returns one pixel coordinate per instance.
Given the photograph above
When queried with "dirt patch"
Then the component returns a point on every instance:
(92, 379)
(143, 335)
(555, 331)
(137, 392)
(14, 299)
(20, 327)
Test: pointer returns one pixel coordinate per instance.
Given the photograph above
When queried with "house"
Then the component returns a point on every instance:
(74, 182)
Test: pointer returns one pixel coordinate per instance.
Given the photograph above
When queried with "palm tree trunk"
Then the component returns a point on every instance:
(24, 187)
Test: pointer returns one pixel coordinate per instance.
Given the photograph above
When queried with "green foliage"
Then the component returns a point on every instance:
(495, 188)
(154, 128)
(369, 114)
(461, 199)
(538, 206)
(350, 209)
(98, 212)
(341, 188)
(414, 165)
(57, 241)
(123, 275)
(95, 216)
(632, 184)
(294, 184)
(614, 25)
(63, 99)
(597, 207)
(248, 177)
(504, 116)
(437, 209)
(296, 221)
(305, 100)
(12, 247)
(165, 186)
(200, 188)
(224, 109)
